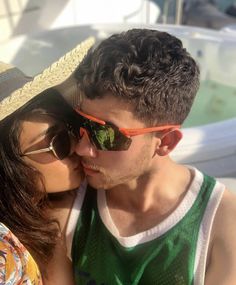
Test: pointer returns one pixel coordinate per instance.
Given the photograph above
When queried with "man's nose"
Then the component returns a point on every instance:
(84, 147)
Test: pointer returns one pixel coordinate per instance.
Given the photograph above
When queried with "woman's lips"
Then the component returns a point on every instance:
(78, 166)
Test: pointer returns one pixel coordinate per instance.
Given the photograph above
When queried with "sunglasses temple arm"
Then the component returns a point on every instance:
(39, 151)
(135, 132)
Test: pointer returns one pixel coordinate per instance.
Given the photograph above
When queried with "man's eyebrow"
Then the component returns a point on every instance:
(46, 131)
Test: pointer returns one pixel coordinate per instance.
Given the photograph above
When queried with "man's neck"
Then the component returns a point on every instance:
(145, 202)
(153, 187)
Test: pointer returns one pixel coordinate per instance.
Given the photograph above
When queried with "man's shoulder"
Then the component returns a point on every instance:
(225, 216)
(221, 269)
(224, 230)
(227, 208)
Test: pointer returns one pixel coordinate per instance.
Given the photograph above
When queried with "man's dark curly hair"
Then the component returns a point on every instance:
(148, 69)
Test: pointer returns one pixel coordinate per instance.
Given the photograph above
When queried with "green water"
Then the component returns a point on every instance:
(214, 102)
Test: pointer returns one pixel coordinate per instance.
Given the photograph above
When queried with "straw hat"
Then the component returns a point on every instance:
(16, 88)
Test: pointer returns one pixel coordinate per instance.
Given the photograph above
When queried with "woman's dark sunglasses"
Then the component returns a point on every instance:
(61, 145)
(106, 136)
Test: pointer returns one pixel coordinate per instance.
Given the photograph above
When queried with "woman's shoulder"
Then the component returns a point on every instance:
(16, 263)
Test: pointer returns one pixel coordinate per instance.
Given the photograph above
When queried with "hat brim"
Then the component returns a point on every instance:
(58, 75)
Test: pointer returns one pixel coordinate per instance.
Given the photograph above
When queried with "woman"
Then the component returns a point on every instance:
(37, 162)
(27, 173)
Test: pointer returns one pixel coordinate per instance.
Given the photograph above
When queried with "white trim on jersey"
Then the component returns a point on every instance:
(74, 215)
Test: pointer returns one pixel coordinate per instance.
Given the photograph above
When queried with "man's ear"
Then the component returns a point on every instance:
(169, 140)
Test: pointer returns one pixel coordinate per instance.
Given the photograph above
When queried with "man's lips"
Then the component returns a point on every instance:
(89, 167)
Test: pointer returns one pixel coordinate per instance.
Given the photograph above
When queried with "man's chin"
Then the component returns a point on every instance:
(99, 183)
(95, 183)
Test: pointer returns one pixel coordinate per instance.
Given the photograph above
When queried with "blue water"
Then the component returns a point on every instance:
(214, 102)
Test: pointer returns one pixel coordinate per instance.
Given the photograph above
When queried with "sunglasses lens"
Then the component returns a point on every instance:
(62, 144)
(108, 137)
(104, 137)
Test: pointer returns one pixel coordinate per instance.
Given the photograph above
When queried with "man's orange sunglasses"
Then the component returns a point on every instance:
(106, 136)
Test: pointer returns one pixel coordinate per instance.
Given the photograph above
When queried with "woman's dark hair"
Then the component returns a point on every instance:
(23, 207)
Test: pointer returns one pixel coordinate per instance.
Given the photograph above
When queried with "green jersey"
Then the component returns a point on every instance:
(173, 252)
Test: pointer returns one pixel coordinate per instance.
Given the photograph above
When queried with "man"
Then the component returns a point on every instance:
(151, 221)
